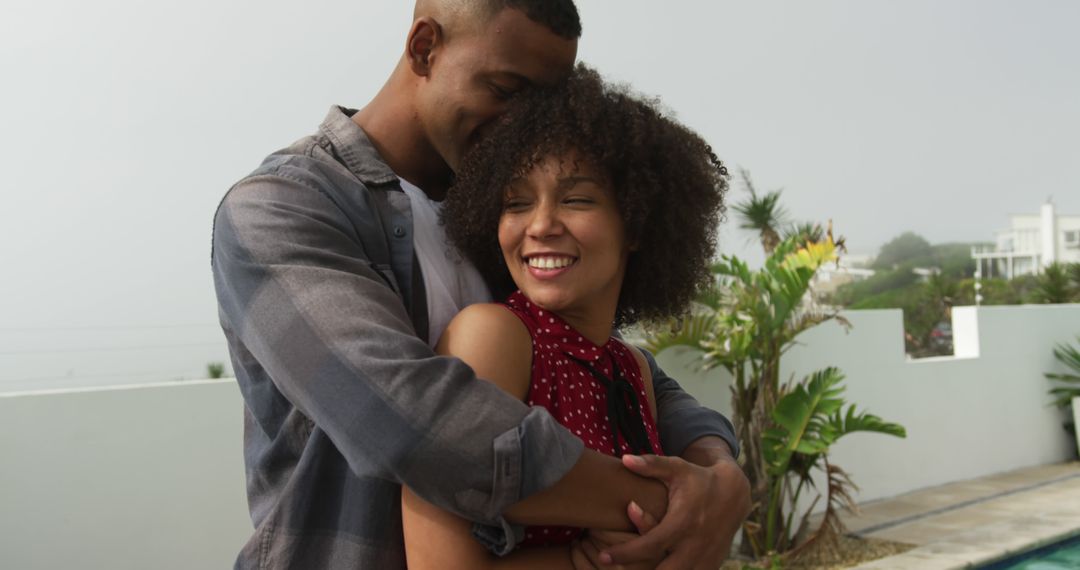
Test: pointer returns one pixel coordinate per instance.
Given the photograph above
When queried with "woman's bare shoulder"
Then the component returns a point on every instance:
(494, 342)
(490, 322)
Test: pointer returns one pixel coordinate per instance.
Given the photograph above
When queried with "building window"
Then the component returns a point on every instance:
(1072, 239)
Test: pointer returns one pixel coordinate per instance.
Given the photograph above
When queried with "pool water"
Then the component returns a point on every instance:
(1061, 556)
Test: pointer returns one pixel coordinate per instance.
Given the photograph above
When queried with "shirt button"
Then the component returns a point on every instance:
(399, 231)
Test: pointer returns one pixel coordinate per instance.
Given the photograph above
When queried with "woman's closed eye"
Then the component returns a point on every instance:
(579, 200)
(515, 204)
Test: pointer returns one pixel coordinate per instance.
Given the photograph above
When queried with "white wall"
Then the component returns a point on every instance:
(152, 476)
(131, 478)
(965, 417)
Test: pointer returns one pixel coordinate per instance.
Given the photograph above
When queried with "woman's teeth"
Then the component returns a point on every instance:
(550, 262)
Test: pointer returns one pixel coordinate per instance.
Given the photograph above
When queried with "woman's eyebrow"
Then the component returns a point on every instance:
(574, 180)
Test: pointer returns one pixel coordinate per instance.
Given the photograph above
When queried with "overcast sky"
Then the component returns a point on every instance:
(124, 122)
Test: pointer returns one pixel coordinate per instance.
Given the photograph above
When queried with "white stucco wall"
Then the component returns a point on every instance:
(152, 476)
(982, 413)
(128, 478)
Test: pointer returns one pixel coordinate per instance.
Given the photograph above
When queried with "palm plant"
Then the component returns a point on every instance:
(804, 231)
(1069, 386)
(745, 322)
(1052, 286)
(808, 420)
(761, 213)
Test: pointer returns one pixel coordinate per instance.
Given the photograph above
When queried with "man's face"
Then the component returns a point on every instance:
(473, 76)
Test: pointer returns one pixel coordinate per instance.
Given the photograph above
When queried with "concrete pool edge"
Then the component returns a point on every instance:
(952, 555)
(987, 531)
(1037, 553)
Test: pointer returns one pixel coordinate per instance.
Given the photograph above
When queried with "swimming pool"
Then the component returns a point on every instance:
(1063, 555)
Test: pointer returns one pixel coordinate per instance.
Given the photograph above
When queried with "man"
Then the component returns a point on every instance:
(328, 292)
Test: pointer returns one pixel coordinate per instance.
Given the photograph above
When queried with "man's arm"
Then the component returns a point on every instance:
(682, 420)
(298, 291)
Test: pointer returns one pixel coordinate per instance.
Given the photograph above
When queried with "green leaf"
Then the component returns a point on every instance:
(799, 415)
(1064, 396)
(851, 422)
(1068, 355)
(1070, 388)
(692, 331)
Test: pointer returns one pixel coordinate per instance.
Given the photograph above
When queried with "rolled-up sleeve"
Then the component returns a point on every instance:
(300, 292)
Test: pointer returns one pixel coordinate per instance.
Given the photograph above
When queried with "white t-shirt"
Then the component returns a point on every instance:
(451, 282)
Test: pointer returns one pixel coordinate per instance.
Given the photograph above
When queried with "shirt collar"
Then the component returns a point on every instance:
(355, 149)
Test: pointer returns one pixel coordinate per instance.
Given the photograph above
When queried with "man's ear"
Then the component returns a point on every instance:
(424, 35)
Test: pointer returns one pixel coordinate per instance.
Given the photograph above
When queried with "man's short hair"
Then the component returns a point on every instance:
(560, 16)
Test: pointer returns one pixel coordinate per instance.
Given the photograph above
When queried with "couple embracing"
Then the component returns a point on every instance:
(421, 302)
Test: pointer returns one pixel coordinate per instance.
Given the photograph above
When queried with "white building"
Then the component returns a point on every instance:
(852, 267)
(1032, 242)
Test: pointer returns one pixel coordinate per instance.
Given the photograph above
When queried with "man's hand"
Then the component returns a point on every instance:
(586, 553)
(706, 507)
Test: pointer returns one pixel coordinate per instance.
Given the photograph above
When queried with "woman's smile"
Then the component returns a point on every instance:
(549, 266)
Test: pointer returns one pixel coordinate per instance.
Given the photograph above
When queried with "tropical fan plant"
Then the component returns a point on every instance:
(1069, 384)
(744, 323)
(809, 418)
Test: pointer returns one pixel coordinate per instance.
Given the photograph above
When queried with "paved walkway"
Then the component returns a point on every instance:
(961, 525)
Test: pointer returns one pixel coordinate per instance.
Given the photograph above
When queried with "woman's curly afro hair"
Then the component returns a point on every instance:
(668, 184)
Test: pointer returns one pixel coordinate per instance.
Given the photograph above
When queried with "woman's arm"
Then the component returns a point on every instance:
(498, 347)
(438, 539)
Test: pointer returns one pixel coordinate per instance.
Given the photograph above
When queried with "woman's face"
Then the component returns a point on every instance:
(563, 238)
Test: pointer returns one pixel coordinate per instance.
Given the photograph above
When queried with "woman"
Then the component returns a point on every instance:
(600, 212)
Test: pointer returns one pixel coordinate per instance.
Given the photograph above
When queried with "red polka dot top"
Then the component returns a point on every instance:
(583, 386)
